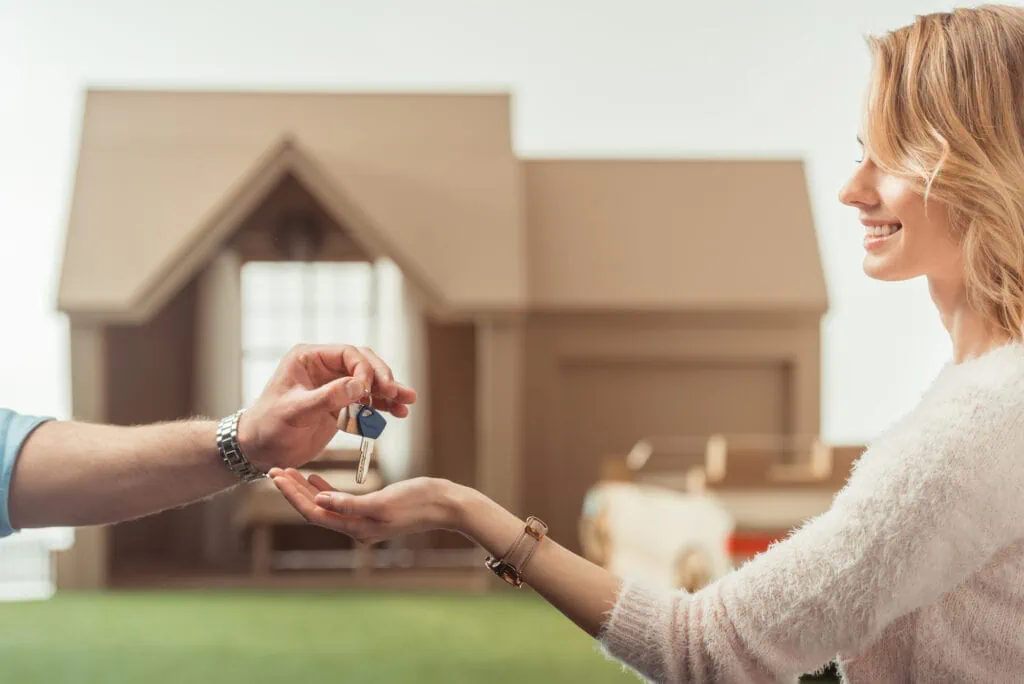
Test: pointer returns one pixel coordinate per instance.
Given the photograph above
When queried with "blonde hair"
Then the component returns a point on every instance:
(946, 110)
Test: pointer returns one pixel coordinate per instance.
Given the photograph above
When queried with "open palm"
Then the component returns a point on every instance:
(406, 507)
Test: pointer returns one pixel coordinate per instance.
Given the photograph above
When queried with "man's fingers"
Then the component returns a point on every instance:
(385, 385)
(326, 362)
(384, 379)
(337, 394)
(366, 366)
(404, 395)
(344, 359)
(395, 409)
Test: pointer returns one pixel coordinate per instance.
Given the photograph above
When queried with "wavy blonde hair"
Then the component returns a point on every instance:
(945, 109)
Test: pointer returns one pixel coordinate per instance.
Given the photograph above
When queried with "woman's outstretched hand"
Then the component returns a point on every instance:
(581, 590)
(407, 507)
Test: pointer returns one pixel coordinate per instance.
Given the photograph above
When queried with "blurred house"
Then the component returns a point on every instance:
(551, 311)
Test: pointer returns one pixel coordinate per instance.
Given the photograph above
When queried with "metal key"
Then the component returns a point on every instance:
(368, 423)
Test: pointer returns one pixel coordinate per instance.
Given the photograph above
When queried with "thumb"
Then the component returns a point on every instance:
(365, 506)
(337, 394)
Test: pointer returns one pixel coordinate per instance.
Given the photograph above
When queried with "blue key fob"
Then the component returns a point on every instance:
(371, 422)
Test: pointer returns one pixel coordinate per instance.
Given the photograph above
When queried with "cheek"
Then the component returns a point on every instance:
(901, 201)
(927, 235)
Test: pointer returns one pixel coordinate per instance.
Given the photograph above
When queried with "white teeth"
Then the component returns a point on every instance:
(882, 231)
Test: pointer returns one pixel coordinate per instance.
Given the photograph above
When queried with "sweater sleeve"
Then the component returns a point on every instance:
(924, 508)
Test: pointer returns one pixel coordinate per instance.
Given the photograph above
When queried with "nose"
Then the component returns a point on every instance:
(859, 191)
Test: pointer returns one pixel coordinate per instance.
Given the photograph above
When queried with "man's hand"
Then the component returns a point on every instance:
(297, 413)
(74, 473)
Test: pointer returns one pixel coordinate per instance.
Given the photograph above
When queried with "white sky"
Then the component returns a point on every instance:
(595, 78)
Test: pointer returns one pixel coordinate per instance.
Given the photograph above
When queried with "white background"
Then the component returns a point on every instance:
(590, 78)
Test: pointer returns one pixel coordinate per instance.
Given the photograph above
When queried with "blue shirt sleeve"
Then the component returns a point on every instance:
(14, 430)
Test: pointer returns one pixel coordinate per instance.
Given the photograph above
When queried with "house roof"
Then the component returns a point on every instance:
(430, 181)
(163, 176)
(691, 235)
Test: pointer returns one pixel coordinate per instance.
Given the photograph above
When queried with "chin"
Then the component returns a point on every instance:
(882, 268)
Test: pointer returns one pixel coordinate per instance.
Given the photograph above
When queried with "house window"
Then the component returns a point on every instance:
(287, 303)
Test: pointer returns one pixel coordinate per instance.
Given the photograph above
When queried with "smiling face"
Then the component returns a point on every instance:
(942, 120)
(903, 238)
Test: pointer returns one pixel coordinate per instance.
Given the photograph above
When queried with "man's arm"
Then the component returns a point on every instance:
(74, 473)
(71, 473)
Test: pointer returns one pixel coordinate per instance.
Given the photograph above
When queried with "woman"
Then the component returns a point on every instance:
(917, 571)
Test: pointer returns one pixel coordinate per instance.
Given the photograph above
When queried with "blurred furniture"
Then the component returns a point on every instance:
(769, 485)
(674, 539)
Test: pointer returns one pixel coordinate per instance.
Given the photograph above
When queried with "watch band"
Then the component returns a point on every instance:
(510, 567)
(231, 451)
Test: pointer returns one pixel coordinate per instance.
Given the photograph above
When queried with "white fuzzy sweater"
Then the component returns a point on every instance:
(916, 573)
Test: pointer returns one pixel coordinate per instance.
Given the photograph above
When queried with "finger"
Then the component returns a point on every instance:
(320, 483)
(313, 513)
(299, 500)
(384, 379)
(395, 409)
(301, 482)
(344, 359)
(337, 394)
(366, 505)
(404, 395)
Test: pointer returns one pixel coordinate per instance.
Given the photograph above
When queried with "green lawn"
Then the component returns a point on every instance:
(153, 638)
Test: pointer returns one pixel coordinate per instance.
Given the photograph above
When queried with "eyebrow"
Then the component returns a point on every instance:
(859, 141)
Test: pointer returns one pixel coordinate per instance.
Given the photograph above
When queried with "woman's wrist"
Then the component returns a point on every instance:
(482, 520)
(461, 505)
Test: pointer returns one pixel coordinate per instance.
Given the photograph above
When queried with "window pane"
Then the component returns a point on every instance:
(255, 373)
(349, 279)
(287, 284)
(257, 284)
(352, 329)
(258, 331)
(289, 302)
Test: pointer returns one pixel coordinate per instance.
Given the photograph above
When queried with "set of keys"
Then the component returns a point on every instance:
(368, 423)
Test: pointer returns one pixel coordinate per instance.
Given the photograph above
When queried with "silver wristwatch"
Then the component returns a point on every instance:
(231, 451)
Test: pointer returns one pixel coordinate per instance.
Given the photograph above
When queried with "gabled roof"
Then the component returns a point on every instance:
(430, 181)
(163, 177)
(682, 235)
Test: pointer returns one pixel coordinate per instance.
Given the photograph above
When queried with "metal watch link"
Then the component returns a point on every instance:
(231, 451)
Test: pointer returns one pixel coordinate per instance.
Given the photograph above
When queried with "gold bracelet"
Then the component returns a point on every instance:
(511, 566)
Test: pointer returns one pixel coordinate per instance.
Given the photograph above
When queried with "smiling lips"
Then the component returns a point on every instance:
(878, 233)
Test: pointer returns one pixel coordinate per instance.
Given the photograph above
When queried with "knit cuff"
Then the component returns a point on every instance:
(634, 630)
